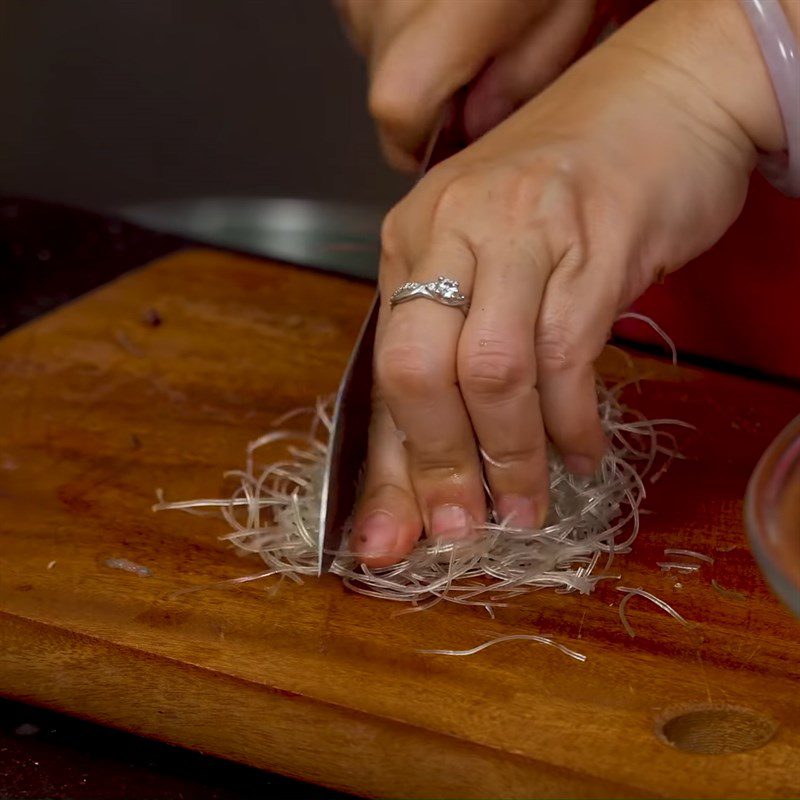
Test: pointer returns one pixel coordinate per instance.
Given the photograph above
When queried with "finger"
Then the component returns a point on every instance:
(366, 22)
(540, 55)
(416, 368)
(576, 316)
(422, 64)
(387, 522)
(497, 373)
(395, 156)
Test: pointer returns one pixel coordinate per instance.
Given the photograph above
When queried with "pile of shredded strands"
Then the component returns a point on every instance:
(274, 513)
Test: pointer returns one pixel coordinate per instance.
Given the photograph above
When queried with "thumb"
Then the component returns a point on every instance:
(416, 71)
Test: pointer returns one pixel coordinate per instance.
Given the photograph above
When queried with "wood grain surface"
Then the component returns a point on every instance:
(98, 408)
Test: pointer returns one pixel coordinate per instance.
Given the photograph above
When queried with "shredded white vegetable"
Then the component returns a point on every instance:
(528, 637)
(639, 592)
(623, 618)
(128, 566)
(675, 551)
(657, 328)
(274, 512)
(666, 566)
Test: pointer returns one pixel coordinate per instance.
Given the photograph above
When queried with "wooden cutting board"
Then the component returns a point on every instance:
(98, 408)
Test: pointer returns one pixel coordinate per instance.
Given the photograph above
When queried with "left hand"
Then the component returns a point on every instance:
(552, 223)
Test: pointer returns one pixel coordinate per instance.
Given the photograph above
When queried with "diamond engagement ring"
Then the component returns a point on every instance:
(443, 290)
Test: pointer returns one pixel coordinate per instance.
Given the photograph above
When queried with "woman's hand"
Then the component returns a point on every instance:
(635, 161)
(420, 52)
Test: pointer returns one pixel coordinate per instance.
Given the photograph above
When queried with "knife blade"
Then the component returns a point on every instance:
(347, 445)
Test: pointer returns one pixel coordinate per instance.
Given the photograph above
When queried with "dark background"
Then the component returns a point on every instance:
(113, 102)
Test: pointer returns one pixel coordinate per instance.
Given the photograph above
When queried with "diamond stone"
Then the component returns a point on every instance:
(447, 287)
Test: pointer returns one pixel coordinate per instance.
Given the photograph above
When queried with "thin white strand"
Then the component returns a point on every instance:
(666, 566)
(623, 617)
(527, 637)
(639, 592)
(659, 330)
(674, 551)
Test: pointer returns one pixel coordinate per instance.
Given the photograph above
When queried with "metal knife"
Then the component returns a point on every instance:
(347, 446)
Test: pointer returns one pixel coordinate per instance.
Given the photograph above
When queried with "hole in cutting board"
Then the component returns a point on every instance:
(716, 730)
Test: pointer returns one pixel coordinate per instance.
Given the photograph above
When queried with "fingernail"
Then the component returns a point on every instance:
(378, 534)
(518, 510)
(451, 520)
(580, 465)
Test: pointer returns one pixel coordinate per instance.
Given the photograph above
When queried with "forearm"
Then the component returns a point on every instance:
(712, 42)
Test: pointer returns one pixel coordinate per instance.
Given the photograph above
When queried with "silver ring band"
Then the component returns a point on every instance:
(443, 290)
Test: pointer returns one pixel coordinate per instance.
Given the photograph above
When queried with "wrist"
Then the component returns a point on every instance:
(713, 49)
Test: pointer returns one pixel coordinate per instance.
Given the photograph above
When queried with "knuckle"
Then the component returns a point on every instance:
(523, 190)
(390, 234)
(544, 192)
(398, 158)
(410, 370)
(557, 350)
(495, 369)
(438, 466)
(390, 102)
(379, 488)
(454, 196)
(516, 456)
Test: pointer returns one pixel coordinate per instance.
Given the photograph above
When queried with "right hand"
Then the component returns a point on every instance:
(420, 52)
